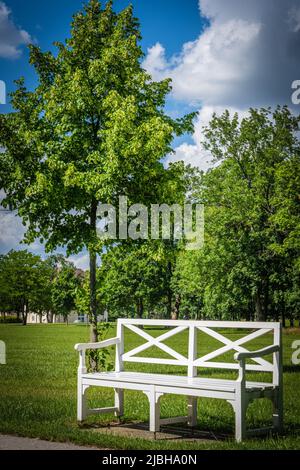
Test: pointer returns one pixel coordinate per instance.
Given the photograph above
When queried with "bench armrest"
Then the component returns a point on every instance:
(252, 354)
(102, 344)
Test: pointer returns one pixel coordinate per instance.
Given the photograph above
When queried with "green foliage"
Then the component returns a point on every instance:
(187, 280)
(249, 266)
(136, 279)
(82, 296)
(42, 303)
(29, 284)
(63, 289)
(23, 282)
(10, 320)
(101, 360)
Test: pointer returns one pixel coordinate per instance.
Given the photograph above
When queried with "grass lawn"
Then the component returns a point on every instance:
(38, 393)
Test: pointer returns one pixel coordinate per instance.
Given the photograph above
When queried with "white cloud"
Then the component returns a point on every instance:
(211, 67)
(80, 261)
(11, 231)
(194, 154)
(294, 19)
(9, 226)
(248, 56)
(155, 61)
(11, 36)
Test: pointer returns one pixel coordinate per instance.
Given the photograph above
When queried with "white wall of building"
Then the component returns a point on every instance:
(34, 318)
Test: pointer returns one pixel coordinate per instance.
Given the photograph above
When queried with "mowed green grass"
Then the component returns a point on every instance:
(38, 393)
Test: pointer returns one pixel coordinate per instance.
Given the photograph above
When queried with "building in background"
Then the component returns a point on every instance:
(74, 317)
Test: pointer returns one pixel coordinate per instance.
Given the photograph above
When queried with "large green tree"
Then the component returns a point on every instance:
(92, 130)
(41, 301)
(135, 278)
(187, 282)
(63, 292)
(22, 279)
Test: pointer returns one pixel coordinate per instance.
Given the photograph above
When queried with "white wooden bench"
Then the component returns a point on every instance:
(239, 393)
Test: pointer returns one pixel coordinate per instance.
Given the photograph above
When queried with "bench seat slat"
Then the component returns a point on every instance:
(174, 380)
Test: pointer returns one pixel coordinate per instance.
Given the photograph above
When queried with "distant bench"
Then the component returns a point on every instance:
(239, 393)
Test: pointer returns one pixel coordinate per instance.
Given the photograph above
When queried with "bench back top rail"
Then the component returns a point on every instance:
(192, 361)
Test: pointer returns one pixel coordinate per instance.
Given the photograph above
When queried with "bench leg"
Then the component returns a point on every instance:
(154, 399)
(81, 402)
(240, 408)
(192, 412)
(278, 412)
(119, 402)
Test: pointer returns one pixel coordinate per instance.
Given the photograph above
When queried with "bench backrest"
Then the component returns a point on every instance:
(192, 361)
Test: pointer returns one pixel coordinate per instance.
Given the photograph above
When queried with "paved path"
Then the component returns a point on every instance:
(25, 443)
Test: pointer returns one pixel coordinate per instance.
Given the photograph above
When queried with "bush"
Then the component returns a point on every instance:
(10, 320)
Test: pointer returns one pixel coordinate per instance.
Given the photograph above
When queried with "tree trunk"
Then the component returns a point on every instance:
(140, 308)
(93, 268)
(283, 318)
(93, 303)
(266, 297)
(249, 311)
(50, 317)
(259, 308)
(175, 312)
(25, 313)
(170, 294)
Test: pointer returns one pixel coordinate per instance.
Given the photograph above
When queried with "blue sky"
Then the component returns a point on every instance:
(231, 54)
(170, 22)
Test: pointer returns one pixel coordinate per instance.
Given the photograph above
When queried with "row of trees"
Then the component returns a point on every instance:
(95, 128)
(249, 267)
(30, 284)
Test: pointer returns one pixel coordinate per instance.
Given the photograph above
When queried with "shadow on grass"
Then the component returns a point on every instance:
(167, 433)
(291, 368)
(178, 432)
